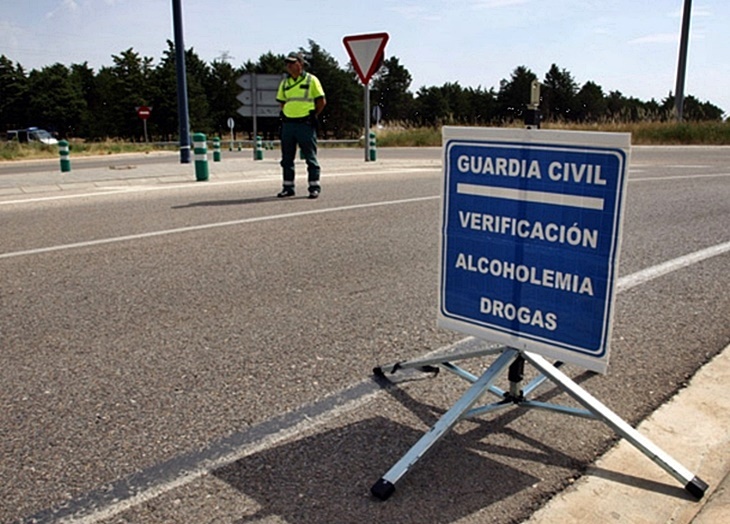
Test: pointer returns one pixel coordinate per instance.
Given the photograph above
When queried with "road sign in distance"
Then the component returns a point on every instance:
(366, 53)
(144, 112)
(263, 111)
(266, 82)
(263, 98)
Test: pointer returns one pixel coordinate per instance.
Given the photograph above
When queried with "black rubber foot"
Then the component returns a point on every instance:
(697, 488)
(382, 489)
(378, 372)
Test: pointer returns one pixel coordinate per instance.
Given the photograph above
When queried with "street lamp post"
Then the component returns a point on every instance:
(682, 66)
(182, 84)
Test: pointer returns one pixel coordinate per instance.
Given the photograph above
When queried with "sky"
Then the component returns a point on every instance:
(631, 46)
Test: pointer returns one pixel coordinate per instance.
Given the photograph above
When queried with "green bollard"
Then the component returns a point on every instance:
(216, 149)
(201, 157)
(63, 150)
(373, 154)
(259, 151)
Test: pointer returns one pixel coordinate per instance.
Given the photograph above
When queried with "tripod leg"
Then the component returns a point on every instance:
(694, 485)
(385, 487)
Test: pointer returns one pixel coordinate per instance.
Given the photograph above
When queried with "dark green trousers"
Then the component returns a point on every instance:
(305, 136)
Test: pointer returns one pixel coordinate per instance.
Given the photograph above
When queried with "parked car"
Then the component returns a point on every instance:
(32, 134)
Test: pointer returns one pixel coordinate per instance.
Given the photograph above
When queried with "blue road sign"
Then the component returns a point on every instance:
(530, 238)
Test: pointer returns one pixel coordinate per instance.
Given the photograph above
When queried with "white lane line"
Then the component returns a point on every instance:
(113, 190)
(202, 227)
(104, 190)
(650, 273)
(205, 467)
(678, 177)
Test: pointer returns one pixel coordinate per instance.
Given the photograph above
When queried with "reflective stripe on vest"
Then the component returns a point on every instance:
(298, 101)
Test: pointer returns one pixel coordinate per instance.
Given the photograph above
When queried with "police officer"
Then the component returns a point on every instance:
(302, 99)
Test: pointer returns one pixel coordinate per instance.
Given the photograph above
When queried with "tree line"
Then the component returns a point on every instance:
(78, 102)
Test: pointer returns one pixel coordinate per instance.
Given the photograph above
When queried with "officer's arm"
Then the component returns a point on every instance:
(319, 104)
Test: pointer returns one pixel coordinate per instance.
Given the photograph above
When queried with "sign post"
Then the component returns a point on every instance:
(144, 113)
(366, 53)
(231, 124)
(530, 237)
(258, 98)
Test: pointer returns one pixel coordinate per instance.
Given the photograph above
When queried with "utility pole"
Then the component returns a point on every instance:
(182, 83)
(682, 66)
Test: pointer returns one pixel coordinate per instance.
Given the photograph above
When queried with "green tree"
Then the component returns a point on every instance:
(514, 95)
(54, 101)
(482, 106)
(390, 90)
(615, 102)
(431, 107)
(343, 115)
(267, 64)
(13, 95)
(457, 99)
(558, 95)
(164, 79)
(78, 102)
(164, 118)
(198, 75)
(221, 89)
(121, 89)
(590, 103)
(84, 81)
(693, 109)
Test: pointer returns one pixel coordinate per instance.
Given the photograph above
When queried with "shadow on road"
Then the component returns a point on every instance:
(236, 202)
(327, 478)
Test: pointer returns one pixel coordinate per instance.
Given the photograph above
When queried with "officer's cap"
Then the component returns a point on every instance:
(294, 57)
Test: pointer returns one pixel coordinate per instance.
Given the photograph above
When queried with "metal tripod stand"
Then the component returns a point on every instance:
(513, 360)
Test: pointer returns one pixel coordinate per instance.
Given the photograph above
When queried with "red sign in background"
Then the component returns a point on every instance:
(144, 112)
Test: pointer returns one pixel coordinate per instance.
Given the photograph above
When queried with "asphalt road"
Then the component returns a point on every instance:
(179, 352)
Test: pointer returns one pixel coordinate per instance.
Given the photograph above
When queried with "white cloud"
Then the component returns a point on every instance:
(493, 4)
(63, 7)
(415, 12)
(697, 10)
(10, 35)
(658, 38)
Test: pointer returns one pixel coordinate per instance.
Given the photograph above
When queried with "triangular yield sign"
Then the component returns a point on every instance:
(366, 53)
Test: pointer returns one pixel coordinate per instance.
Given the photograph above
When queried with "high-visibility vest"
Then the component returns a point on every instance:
(298, 95)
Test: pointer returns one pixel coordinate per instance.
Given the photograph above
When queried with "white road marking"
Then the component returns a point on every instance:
(112, 190)
(678, 177)
(206, 467)
(201, 227)
(104, 190)
(650, 273)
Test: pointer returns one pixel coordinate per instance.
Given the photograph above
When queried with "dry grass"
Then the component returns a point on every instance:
(642, 133)
(16, 151)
